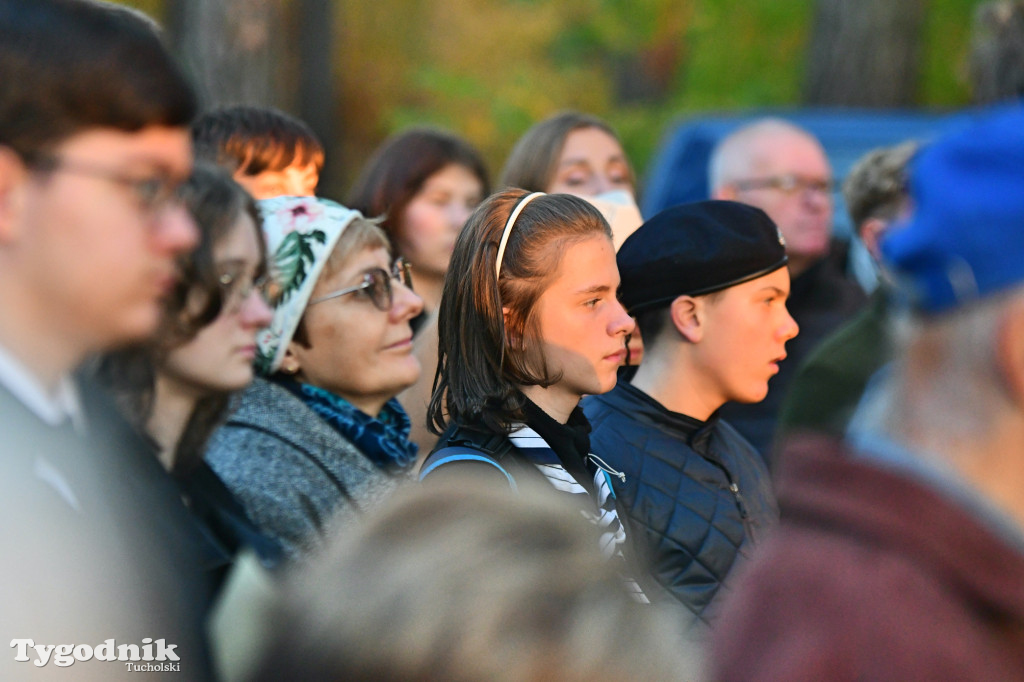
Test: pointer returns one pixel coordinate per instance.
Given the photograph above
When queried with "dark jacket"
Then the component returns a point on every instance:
(679, 506)
(543, 451)
(820, 300)
(828, 386)
(872, 575)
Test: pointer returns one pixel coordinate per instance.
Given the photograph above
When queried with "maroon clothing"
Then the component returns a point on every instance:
(872, 576)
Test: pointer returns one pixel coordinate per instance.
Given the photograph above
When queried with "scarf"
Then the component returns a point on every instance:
(384, 440)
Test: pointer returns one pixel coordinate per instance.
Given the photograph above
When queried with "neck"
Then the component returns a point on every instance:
(429, 287)
(990, 464)
(669, 380)
(557, 404)
(173, 406)
(47, 351)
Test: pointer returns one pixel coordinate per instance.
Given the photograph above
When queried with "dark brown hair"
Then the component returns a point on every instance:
(400, 167)
(481, 361)
(215, 202)
(533, 161)
(254, 139)
(72, 66)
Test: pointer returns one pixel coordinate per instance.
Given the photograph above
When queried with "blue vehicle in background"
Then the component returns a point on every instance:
(678, 174)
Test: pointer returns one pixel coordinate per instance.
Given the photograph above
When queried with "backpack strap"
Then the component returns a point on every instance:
(465, 445)
(462, 453)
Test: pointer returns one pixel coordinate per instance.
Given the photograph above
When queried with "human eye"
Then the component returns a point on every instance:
(365, 287)
(439, 198)
(787, 183)
(151, 192)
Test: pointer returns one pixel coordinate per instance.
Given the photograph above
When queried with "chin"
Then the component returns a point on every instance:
(137, 327)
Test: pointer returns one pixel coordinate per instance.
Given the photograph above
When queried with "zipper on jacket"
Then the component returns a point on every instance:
(739, 500)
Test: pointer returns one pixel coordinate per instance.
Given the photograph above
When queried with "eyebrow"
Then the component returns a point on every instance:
(241, 262)
(618, 158)
(595, 289)
(778, 291)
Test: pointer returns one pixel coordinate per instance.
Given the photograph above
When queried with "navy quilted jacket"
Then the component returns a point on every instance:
(697, 496)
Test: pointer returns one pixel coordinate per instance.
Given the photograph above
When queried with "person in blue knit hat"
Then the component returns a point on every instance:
(901, 548)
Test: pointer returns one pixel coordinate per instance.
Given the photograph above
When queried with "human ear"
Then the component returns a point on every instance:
(1010, 352)
(511, 338)
(688, 318)
(290, 363)
(870, 233)
(12, 179)
(726, 192)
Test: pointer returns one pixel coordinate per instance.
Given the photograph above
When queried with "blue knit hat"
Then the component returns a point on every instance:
(965, 239)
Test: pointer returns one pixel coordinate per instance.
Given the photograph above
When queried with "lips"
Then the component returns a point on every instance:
(774, 364)
(400, 345)
(617, 357)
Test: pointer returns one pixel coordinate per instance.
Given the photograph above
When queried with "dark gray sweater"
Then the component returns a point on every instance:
(291, 470)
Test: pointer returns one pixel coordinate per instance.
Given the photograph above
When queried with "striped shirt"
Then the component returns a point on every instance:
(533, 448)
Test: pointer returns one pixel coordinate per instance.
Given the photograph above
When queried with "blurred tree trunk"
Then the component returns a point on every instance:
(865, 53)
(236, 50)
(317, 101)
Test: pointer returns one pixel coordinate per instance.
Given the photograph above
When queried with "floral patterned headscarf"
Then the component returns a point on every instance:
(301, 233)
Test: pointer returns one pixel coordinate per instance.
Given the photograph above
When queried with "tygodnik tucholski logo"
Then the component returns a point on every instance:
(152, 655)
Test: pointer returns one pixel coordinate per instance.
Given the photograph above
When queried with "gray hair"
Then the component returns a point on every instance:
(455, 580)
(736, 155)
(946, 386)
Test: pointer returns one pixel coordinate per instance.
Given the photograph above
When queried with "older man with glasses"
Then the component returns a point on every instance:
(782, 169)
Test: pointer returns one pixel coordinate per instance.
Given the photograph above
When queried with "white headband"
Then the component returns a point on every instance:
(508, 230)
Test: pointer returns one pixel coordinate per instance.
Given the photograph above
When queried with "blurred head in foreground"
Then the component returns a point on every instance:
(457, 583)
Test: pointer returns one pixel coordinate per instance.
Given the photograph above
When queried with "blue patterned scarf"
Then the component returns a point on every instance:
(384, 440)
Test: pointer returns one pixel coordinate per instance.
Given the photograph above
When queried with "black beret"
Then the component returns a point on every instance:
(696, 249)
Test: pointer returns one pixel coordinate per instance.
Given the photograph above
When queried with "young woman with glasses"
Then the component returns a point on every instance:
(175, 389)
(322, 437)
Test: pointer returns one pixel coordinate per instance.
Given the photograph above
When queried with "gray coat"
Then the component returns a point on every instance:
(291, 470)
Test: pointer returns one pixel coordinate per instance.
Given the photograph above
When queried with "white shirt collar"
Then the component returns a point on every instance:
(53, 408)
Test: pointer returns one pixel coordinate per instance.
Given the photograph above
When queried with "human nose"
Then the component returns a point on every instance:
(601, 184)
(405, 304)
(176, 231)
(789, 328)
(255, 311)
(817, 197)
(621, 323)
(458, 215)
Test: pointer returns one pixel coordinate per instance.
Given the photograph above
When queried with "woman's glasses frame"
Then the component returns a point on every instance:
(378, 283)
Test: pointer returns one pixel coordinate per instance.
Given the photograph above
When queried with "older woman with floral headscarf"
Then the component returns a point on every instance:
(321, 435)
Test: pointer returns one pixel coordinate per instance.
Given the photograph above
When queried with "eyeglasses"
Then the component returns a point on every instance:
(377, 284)
(787, 184)
(155, 193)
(236, 290)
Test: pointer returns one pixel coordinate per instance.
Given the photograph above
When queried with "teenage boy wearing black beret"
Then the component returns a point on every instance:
(708, 285)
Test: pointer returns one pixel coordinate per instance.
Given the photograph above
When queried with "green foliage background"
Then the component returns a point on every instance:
(488, 69)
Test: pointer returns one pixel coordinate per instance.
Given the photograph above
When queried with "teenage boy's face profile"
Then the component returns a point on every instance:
(746, 328)
(582, 324)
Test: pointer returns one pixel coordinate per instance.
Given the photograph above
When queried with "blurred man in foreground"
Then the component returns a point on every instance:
(93, 146)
